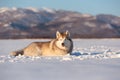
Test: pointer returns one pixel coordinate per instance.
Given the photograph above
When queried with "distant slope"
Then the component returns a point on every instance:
(43, 23)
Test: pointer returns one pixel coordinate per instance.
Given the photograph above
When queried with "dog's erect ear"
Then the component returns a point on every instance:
(58, 34)
(67, 33)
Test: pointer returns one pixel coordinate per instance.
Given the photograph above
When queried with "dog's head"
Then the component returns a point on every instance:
(63, 40)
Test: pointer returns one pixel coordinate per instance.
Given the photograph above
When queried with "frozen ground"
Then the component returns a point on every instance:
(92, 59)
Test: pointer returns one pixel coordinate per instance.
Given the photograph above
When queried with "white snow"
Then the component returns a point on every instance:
(33, 9)
(14, 8)
(90, 24)
(92, 59)
(4, 9)
(48, 10)
(6, 24)
(86, 15)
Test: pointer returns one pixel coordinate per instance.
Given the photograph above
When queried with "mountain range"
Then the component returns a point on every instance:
(44, 22)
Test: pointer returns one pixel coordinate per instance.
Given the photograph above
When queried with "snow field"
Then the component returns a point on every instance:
(91, 59)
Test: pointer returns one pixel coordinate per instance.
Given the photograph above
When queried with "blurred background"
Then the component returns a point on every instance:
(42, 18)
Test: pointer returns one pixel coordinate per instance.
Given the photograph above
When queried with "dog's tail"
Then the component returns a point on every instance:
(16, 53)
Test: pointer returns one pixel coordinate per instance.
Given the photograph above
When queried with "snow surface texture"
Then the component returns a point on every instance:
(92, 59)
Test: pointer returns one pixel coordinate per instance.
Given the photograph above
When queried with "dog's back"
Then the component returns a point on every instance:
(62, 45)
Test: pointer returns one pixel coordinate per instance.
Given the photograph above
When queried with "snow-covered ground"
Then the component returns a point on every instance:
(92, 59)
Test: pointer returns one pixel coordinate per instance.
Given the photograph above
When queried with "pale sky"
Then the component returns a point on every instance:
(84, 6)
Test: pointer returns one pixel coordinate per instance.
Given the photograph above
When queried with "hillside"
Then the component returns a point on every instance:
(43, 23)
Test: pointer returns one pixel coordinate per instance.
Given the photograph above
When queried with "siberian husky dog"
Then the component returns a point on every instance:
(59, 46)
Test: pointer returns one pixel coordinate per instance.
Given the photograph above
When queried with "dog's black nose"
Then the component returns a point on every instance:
(63, 44)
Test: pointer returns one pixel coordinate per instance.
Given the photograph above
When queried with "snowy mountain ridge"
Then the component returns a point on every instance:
(33, 21)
